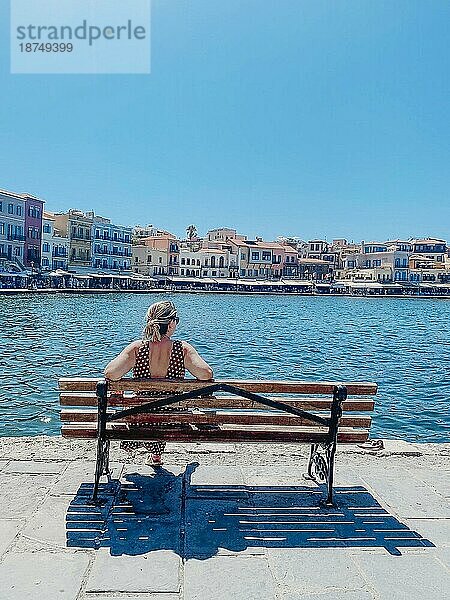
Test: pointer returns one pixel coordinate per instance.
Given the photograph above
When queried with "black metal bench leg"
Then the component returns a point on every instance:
(339, 395)
(330, 475)
(102, 464)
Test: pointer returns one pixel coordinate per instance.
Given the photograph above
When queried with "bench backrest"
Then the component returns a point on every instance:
(217, 416)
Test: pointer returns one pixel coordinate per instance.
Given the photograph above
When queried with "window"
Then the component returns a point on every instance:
(266, 255)
(2, 229)
(213, 262)
(255, 256)
(45, 262)
(45, 247)
(19, 211)
(17, 251)
(214, 273)
(149, 259)
(10, 209)
(47, 228)
(242, 272)
(243, 256)
(182, 271)
(1, 206)
(160, 260)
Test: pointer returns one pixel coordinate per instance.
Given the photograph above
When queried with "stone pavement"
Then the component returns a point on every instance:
(225, 531)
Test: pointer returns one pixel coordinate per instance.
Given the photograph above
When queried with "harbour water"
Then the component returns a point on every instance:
(402, 344)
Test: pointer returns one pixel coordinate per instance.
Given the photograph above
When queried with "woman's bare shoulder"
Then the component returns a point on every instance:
(135, 346)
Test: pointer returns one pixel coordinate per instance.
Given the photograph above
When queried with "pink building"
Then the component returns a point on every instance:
(34, 209)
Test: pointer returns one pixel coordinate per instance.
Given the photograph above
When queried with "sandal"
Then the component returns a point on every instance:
(154, 460)
(372, 445)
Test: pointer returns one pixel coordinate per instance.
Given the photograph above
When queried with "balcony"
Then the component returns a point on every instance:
(59, 253)
(79, 236)
(19, 237)
(80, 259)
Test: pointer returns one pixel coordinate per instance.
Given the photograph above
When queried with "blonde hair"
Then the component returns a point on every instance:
(158, 316)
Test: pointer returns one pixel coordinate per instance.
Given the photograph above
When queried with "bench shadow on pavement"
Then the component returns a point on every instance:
(144, 513)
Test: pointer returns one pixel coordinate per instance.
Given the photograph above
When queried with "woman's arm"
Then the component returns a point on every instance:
(125, 361)
(195, 363)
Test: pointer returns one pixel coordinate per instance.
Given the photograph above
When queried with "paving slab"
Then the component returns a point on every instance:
(439, 481)
(9, 528)
(407, 496)
(412, 575)
(228, 578)
(43, 576)
(335, 594)
(205, 475)
(314, 570)
(22, 493)
(214, 527)
(437, 531)
(78, 473)
(48, 523)
(35, 466)
(152, 572)
(113, 596)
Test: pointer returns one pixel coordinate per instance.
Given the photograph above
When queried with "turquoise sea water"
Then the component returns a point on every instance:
(402, 344)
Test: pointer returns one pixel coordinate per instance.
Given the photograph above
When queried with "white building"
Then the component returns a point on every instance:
(149, 261)
(48, 222)
(389, 258)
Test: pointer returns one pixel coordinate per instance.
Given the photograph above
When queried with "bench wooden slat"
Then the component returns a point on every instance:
(224, 434)
(89, 399)
(210, 417)
(305, 387)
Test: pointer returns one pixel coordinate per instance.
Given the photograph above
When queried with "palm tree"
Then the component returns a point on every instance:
(191, 232)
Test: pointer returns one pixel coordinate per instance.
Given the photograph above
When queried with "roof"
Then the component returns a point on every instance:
(427, 240)
(313, 261)
(257, 244)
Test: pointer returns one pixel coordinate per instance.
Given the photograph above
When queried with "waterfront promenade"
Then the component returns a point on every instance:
(223, 522)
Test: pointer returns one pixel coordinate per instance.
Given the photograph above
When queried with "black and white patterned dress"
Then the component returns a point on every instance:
(141, 370)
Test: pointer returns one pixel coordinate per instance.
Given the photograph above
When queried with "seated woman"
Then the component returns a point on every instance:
(156, 355)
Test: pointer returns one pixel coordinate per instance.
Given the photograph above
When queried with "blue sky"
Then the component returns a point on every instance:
(289, 117)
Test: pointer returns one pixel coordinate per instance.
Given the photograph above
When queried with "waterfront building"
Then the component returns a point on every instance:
(291, 265)
(77, 227)
(139, 233)
(60, 252)
(149, 261)
(261, 260)
(215, 238)
(34, 208)
(315, 269)
(169, 244)
(190, 263)
(111, 245)
(48, 222)
(392, 257)
(12, 231)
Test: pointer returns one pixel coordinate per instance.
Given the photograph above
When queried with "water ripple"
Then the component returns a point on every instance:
(403, 345)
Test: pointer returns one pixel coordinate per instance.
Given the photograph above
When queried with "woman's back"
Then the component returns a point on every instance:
(162, 360)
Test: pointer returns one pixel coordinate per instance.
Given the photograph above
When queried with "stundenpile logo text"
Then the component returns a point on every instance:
(91, 33)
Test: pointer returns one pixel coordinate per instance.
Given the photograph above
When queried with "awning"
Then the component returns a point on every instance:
(298, 282)
(365, 284)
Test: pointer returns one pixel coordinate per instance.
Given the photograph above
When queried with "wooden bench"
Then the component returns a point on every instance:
(316, 413)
